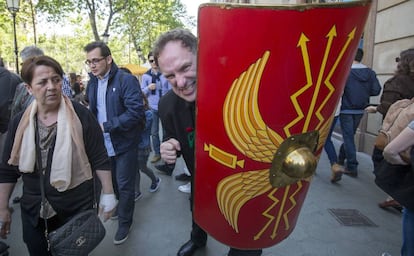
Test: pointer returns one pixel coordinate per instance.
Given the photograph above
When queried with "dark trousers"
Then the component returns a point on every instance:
(347, 151)
(124, 171)
(329, 146)
(34, 237)
(376, 157)
(237, 252)
(142, 166)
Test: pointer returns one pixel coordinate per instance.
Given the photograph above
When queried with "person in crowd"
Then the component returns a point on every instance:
(80, 82)
(144, 149)
(329, 148)
(362, 83)
(184, 176)
(392, 154)
(71, 152)
(8, 84)
(400, 86)
(154, 86)
(115, 98)
(22, 97)
(176, 54)
(76, 89)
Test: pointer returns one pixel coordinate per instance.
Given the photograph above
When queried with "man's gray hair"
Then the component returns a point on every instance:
(30, 52)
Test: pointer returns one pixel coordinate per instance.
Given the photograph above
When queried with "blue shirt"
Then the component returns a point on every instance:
(411, 125)
(162, 87)
(101, 106)
(66, 90)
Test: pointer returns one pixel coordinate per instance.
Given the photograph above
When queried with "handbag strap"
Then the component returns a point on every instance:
(41, 169)
(41, 179)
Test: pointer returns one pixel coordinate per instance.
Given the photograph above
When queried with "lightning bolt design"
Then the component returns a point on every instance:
(251, 136)
(309, 82)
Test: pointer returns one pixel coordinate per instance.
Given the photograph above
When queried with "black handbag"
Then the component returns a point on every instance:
(4, 249)
(81, 234)
(397, 181)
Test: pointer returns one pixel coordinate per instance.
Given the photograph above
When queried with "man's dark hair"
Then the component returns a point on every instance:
(188, 40)
(150, 54)
(105, 51)
(359, 55)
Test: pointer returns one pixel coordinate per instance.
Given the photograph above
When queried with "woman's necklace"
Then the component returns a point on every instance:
(48, 118)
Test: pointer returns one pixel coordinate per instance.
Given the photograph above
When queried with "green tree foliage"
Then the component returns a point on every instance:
(130, 23)
(24, 31)
(96, 10)
(144, 20)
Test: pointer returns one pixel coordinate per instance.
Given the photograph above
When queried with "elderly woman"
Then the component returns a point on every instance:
(71, 150)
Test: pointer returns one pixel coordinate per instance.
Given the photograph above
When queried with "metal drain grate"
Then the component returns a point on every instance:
(351, 217)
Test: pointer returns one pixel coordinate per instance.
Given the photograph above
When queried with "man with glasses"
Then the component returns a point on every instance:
(115, 98)
(154, 86)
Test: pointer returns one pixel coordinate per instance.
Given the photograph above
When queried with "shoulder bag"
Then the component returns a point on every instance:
(397, 181)
(81, 234)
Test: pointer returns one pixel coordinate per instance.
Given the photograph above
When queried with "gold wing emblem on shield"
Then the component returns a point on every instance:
(291, 157)
(252, 137)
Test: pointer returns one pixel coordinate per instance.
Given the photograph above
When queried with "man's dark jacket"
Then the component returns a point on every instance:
(362, 83)
(8, 84)
(124, 108)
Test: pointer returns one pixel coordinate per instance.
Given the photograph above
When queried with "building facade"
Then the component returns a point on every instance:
(388, 31)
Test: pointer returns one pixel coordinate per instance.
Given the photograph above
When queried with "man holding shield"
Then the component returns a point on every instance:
(176, 54)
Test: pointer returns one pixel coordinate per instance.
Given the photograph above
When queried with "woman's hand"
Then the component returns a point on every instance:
(107, 205)
(5, 222)
(371, 109)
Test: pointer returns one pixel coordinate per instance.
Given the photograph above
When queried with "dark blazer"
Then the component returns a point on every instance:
(178, 120)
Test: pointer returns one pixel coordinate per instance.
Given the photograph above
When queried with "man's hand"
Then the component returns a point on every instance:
(152, 86)
(169, 149)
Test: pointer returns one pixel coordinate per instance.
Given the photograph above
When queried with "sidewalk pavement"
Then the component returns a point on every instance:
(162, 220)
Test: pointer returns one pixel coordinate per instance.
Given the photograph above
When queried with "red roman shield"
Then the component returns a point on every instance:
(269, 79)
